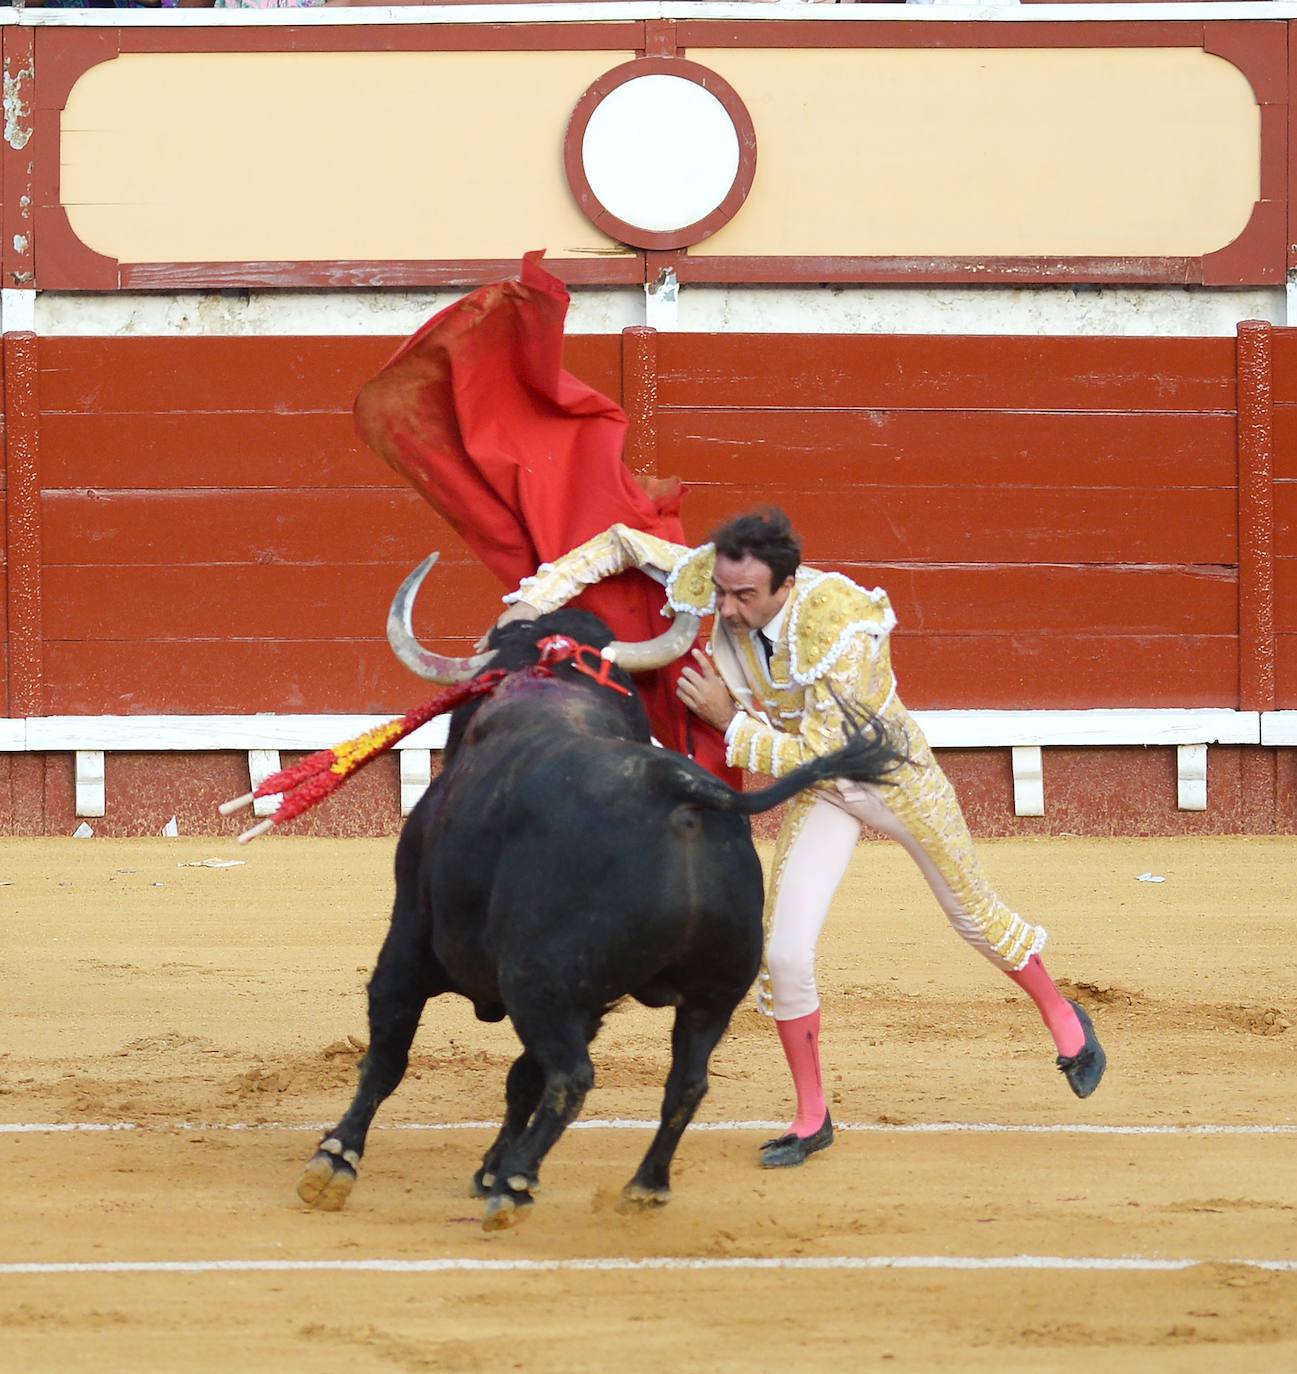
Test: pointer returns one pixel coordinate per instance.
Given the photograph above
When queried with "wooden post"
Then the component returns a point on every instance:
(1256, 628)
(26, 675)
(17, 161)
(639, 367)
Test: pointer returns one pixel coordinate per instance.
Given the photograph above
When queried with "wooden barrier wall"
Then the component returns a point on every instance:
(193, 527)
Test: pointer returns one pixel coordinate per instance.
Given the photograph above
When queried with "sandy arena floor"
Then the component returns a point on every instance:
(208, 1012)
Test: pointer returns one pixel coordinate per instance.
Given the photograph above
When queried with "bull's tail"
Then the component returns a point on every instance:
(869, 755)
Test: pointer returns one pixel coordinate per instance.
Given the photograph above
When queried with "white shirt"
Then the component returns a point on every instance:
(773, 631)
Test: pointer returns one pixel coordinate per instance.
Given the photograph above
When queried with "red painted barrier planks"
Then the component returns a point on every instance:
(992, 598)
(1284, 366)
(147, 375)
(334, 674)
(276, 374)
(1284, 421)
(1051, 517)
(1285, 518)
(958, 448)
(320, 601)
(348, 600)
(1285, 672)
(1031, 672)
(1285, 592)
(223, 675)
(946, 372)
(1054, 525)
(239, 449)
(274, 526)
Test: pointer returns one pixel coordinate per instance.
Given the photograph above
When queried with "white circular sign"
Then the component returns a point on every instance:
(660, 152)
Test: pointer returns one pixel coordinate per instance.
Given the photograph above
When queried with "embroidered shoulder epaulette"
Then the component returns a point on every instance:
(829, 612)
(690, 586)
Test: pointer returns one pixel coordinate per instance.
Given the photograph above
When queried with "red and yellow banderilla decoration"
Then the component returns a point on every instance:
(306, 784)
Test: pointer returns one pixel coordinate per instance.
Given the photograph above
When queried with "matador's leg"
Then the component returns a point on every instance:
(922, 813)
(815, 846)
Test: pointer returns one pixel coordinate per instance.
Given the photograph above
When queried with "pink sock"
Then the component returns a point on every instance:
(1055, 1010)
(800, 1038)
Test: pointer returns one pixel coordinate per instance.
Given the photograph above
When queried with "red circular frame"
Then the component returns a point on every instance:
(598, 214)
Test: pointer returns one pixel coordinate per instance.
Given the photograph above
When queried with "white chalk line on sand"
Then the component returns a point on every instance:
(1037, 1263)
(625, 1124)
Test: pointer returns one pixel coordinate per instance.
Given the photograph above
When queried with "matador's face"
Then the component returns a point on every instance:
(745, 598)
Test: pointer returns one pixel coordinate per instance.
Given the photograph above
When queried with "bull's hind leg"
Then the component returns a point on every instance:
(561, 1053)
(522, 1090)
(696, 1033)
(398, 992)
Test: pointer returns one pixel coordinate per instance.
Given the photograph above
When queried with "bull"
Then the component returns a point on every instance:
(559, 863)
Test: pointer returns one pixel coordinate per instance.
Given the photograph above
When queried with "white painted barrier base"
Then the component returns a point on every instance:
(1027, 733)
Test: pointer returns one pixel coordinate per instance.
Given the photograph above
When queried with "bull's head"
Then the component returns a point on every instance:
(635, 658)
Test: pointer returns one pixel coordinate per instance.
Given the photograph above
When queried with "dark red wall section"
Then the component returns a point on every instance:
(1057, 520)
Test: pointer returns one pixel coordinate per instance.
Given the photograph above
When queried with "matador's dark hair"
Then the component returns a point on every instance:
(767, 534)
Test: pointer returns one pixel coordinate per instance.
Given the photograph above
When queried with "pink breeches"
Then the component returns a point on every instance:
(823, 835)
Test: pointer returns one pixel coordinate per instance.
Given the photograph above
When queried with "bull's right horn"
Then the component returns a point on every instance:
(400, 635)
(648, 654)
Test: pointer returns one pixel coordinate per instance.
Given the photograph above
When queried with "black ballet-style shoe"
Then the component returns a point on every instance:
(1084, 1069)
(786, 1151)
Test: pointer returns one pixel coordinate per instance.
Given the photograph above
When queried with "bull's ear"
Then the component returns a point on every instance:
(514, 631)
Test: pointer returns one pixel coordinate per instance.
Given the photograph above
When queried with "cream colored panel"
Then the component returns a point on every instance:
(233, 157)
(1128, 152)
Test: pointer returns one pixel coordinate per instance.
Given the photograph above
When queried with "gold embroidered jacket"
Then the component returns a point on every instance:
(833, 647)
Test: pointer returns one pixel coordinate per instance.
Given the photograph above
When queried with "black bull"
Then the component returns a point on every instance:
(559, 863)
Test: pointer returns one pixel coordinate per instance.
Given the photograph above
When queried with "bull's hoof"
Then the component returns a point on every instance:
(504, 1210)
(638, 1197)
(327, 1181)
(484, 1181)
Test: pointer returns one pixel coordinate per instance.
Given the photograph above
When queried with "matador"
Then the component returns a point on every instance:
(795, 651)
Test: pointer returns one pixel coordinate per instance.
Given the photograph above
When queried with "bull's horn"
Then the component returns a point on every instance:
(656, 653)
(400, 635)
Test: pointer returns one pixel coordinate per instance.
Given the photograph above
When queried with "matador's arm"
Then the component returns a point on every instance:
(607, 554)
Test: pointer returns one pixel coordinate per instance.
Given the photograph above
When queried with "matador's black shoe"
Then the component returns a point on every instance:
(785, 1151)
(1084, 1069)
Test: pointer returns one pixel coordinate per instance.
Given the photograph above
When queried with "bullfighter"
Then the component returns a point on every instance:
(793, 650)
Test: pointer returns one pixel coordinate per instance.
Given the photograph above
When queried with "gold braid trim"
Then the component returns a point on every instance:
(689, 586)
(830, 614)
(921, 797)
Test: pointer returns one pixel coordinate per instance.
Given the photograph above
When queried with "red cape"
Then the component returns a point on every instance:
(524, 461)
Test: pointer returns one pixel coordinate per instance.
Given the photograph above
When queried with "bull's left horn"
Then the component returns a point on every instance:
(400, 635)
(656, 653)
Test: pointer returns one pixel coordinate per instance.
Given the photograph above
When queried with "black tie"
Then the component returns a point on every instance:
(766, 646)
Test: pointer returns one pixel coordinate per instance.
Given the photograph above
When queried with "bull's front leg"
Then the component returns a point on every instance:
(397, 996)
(522, 1090)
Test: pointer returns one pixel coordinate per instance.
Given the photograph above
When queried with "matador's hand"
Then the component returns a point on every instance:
(704, 692)
(520, 610)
